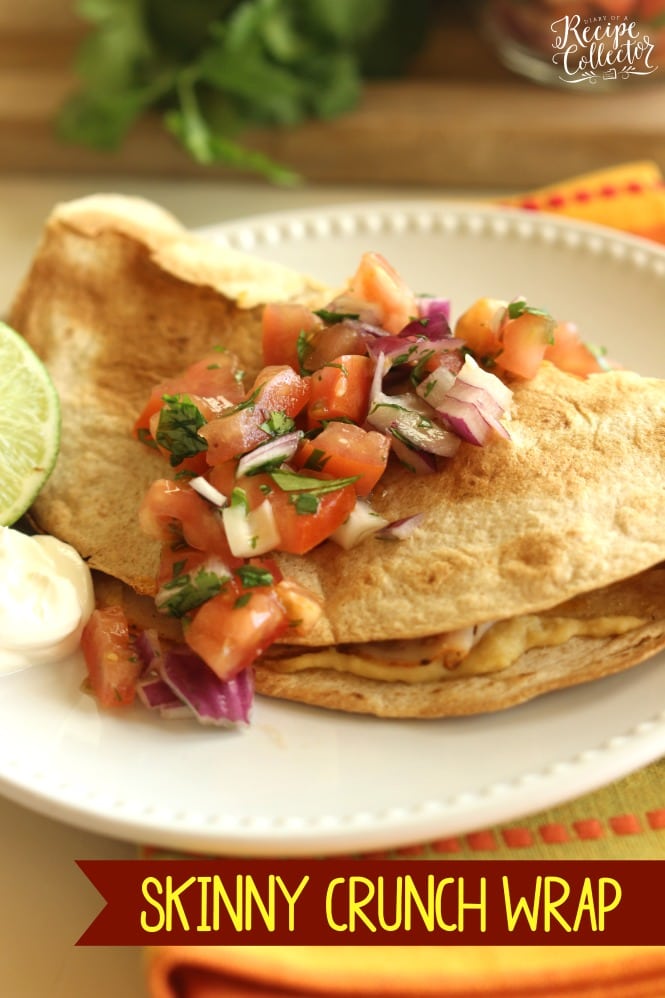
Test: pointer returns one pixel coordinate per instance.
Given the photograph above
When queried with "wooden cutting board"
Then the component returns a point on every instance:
(458, 120)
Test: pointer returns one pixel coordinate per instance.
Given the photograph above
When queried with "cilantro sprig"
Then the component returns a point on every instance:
(214, 69)
(188, 590)
(293, 481)
(177, 430)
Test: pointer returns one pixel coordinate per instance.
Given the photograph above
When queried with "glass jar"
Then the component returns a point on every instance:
(581, 44)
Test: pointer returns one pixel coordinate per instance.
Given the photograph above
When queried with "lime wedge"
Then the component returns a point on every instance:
(29, 425)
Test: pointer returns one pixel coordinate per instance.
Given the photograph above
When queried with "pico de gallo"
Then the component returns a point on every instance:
(290, 461)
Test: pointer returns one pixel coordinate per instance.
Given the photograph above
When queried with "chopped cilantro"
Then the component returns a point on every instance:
(305, 502)
(340, 367)
(213, 367)
(177, 433)
(303, 348)
(239, 498)
(329, 316)
(265, 489)
(277, 424)
(520, 307)
(292, 481)
(317, 460)
(418, 373)
(145, 437)
(186, 591)
(242, 600)
(254, 575)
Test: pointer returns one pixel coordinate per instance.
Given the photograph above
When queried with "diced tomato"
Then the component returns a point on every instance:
(339, 339)
(377, 282)
(232, 628)
(340, 390)
(223, 477)
(524, 341)
(283, 325)
(170, 511)
(233, 434)
(300, 532)
(343, 450)
(479, 326)
(216, 374)
(280, 390)
(569, 352)
(276, 390)
(112, 663)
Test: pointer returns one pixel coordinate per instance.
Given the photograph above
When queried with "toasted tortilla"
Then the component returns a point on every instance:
(539, 670)
(119, 297)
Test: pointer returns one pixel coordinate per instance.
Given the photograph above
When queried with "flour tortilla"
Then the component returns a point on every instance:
(120, 296)
(537, 671)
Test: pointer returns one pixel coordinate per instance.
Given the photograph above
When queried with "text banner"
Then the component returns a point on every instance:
(383, 902)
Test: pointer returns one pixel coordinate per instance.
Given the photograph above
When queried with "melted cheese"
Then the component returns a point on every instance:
(500, 646)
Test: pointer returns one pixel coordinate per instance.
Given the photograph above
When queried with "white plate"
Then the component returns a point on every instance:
(306, 781)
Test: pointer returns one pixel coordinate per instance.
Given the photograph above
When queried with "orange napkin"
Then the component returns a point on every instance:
(631, 198)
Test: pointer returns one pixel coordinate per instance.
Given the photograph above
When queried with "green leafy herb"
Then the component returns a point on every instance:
(277, 424)
(242, 600)
(145, 437)
(179, 421)
(254, 575)
(305, 502)
(418, 372)
(292, 481)
(303, 347)
(214, 68)
(239, 498)
(185, 591)
(329, 316)
(317, 460)
(520, 307)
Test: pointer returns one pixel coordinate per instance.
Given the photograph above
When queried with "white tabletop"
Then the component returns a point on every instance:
(47, 902)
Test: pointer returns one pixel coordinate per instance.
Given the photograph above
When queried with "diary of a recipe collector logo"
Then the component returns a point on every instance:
(591, 49)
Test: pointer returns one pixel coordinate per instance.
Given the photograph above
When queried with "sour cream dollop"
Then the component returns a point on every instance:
(46, 597)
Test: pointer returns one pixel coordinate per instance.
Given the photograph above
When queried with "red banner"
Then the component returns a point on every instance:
(387, 902)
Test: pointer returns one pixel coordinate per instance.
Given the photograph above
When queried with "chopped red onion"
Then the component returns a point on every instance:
(369, 330)
(472, 374)
(466, 420)
(213, 700)
(155, 694)
(399, 530)
(429, 307)
(148, 647)
(271, 454)
(434, 327)
(398, 350)
(417, 461)
(424, 434)
(479, 390)
(348, 304)
(436, 386)
(208, 491)
(385, 410)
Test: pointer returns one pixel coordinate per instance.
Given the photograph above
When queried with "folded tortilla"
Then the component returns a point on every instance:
(120, 296)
